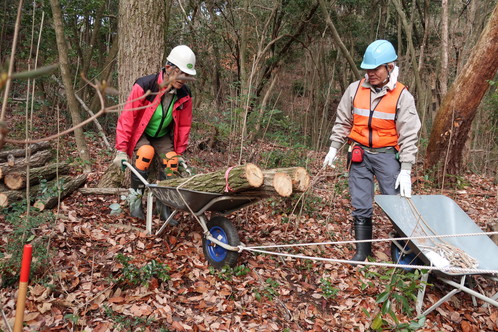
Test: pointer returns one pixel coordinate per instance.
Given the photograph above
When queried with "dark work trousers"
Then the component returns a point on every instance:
(385, 167)
(161, 145)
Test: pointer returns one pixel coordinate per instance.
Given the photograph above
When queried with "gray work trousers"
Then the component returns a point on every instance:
(385, 167)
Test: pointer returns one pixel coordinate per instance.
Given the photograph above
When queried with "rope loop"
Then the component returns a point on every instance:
(227, 186)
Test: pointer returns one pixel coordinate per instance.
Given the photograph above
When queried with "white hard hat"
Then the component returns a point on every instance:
(183, 57)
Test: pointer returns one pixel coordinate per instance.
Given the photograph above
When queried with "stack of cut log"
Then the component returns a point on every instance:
(14, 178)
(247, 179)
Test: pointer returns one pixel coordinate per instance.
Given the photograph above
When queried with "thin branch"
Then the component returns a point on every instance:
(11, 64)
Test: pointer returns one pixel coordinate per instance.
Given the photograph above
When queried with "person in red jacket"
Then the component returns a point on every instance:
(156, 120)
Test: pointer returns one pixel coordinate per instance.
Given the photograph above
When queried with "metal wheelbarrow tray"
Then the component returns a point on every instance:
(438, 215)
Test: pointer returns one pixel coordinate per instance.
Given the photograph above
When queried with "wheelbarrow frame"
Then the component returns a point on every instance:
(432, 208)
(219, 203)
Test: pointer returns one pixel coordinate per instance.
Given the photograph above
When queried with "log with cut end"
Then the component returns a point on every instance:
(21, 153)
(10, 196)
(239, 178)
(277, 182)
(300, 177)
(68, 185)
(18, 180)
(36, 160)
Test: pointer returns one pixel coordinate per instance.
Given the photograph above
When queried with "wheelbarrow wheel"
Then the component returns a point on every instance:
(401, 254)
(224, 231)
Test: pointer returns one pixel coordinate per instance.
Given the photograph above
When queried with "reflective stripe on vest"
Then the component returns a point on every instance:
(375, 128)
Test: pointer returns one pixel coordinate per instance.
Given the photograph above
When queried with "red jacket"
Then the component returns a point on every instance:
(375, 127)
(132, 121)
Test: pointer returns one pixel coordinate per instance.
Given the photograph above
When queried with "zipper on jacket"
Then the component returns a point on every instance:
(163, 117)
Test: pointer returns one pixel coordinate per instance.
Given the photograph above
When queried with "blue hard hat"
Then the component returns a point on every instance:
(378, 53)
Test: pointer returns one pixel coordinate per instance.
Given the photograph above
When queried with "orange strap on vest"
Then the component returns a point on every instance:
(375, 128)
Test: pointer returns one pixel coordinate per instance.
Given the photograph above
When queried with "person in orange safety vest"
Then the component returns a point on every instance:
(378, 118)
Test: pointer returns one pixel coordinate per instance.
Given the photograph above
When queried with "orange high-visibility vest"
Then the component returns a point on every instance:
(375, 128)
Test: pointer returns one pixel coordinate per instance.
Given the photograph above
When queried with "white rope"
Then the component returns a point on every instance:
(372, 240)
(334, 260)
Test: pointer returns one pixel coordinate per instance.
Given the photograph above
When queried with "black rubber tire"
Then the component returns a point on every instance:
(218, 257)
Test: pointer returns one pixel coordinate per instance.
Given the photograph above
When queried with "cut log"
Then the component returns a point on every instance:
(18, 180)
(21, 153)
(239, 178)
(280, 183)
(104, 191)
(10, 196)
(69, 185)
(14, 181)
(36, 160)
(300, 177)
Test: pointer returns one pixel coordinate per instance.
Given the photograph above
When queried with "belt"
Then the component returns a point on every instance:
(388, 149)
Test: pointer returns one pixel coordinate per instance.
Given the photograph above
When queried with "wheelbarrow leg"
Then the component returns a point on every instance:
(148, 218)
(421, 293)
(166, 222)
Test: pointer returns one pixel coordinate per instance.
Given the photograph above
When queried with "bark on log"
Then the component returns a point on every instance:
(104, 191)
(36, 160)
(112, 178)
(7, 197)
(17, 180)
(300, 177)
(240, 178)
(69, 185)
(21, 153)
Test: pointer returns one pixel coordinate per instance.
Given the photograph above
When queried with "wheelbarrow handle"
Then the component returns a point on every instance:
(127, 164)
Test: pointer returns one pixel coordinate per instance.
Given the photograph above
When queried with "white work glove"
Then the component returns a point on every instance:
(404, 182)
(330, 157)
(182, 163)
(120, 157)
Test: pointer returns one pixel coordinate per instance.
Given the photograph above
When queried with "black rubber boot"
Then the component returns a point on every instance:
(363, 231)
(135, 199)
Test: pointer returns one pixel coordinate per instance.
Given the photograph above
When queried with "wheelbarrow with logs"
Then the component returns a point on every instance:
(221, 193)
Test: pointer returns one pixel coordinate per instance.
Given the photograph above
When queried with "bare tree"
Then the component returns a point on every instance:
(443, 79)
(459, 107)
(72, 103)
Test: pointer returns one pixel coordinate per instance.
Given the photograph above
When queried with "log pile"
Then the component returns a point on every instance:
(14, 177)
(247, 179)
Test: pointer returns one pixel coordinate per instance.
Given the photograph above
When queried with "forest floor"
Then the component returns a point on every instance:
(104, 273)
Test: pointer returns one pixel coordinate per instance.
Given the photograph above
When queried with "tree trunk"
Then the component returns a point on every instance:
(69, 185)
(17, 180)
(454, 118)
(36, 160)
(443, 79)
(338, 40)
(16, 153)
(141, 30)
(66, 78)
